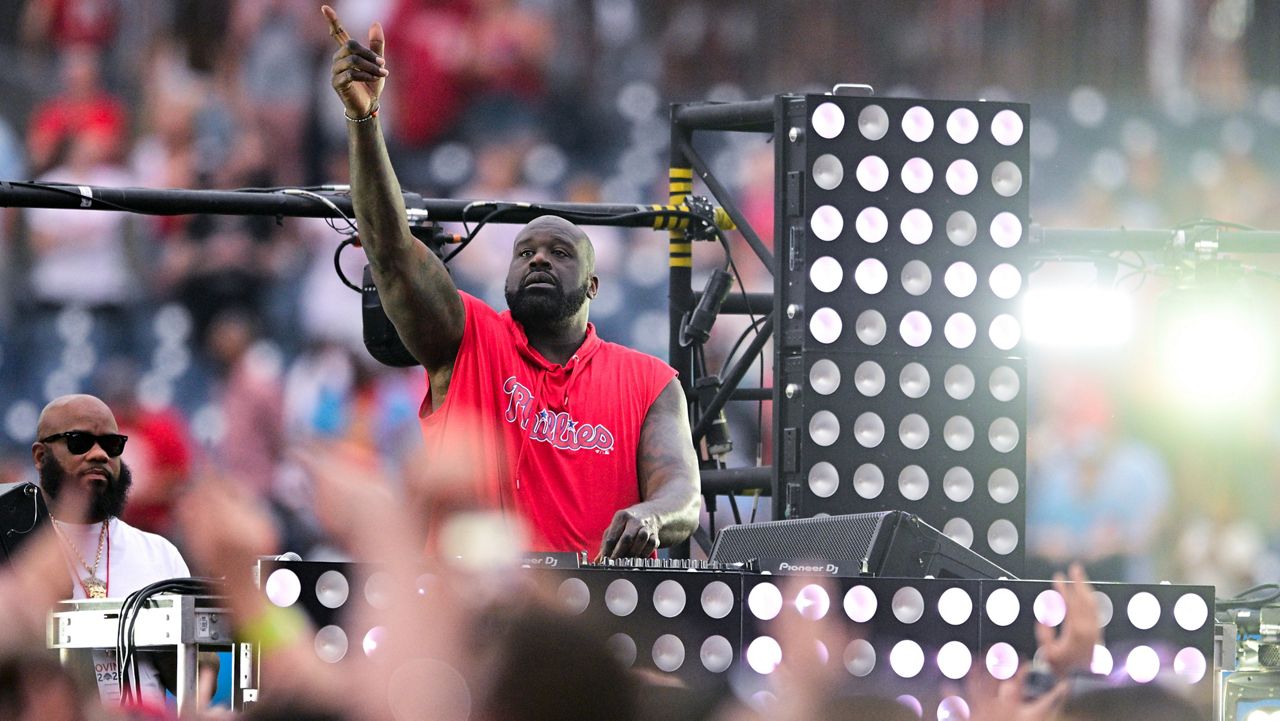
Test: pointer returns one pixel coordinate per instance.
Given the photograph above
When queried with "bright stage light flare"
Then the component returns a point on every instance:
(1217, 358)
(1077, 318)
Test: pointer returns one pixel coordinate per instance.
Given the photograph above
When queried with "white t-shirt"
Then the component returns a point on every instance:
(131, 559)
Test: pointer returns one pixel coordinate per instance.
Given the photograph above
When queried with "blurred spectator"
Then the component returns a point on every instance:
(252, 443)
(60, 24)
(1092, 493)
(83, 107)
(159, 450)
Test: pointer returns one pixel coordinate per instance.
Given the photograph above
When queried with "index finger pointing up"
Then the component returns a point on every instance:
(335, 26)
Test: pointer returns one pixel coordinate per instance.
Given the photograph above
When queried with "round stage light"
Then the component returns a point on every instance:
(870, 276)
(379, 590)
(859, 657)
(868, 480)
(824, 428)
(868, 428)
(1002, 537)
(824, 480)
(1006, 179)
(812, 602)
(826, 274)
(916, 277)
(872, 174)
(870, 327)
(1004, 384)
(962, 177)
(916, 226)
(1002, 661)
(1191, 612)
(962, 125)
(1144, 610)
(915, 328)
(765, 601)
(954, 661)
(914, 380)
(1190, 665)
(574, 595)
(961, 279)
(764, 655)
(1142, 664)
(1102, 663)
(1003, 607)
(917, 175)
(959, 382)
(913, 482)
(1006, 229)
(911, 703)
(826, 223)
(917, 124)
(1105, 608)
(961, 228)
(860, 604)
(873, 122)
(955, 606)
(716, 654)
(668, 652)
(828, 172)
(283, 587)
(871, 224)
(959, 530)
(913, 431)
(824, 376)
(828, 120)
(621, 597)
(1002, 485)
(957, 484)
(906, 658)
(1003, 435)
(1049, 607)
(958, 433)
(332, 589)
(374, 639)
(331, 644)
(717, 599)
(1005, 281)
(908, 604)
(1006, 127)
(623, 648)
(1005, 332)
(960, 330)
(869, 378)
(825, 325)
(669, 598)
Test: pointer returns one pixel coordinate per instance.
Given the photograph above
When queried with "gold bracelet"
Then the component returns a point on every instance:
(372, 114)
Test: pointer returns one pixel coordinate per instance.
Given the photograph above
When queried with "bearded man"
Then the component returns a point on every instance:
(78, 456)
(586, 441)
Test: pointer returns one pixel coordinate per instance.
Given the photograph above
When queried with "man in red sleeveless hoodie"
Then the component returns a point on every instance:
(585, 440)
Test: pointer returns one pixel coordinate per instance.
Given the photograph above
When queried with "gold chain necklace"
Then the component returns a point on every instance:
(93, 586)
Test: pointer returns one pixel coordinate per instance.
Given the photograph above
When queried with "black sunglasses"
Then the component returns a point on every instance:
(79, 442)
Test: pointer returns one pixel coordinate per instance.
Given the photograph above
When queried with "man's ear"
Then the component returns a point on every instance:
(38, 450)
(593, 287)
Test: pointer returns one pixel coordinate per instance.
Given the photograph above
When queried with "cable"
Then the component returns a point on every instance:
(129, 676)
(337, 263)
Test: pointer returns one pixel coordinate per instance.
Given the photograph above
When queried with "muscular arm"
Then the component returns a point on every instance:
(670, 487)
(417, 292)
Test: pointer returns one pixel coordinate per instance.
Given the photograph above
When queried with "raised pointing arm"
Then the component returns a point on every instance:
(417, 292)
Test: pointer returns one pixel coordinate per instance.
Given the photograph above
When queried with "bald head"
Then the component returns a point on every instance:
(562, 228)
(80, 412)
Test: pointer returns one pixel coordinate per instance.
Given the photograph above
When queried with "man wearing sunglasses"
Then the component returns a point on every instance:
(78, 453)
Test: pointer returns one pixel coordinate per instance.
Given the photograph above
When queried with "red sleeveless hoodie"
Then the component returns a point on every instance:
(556, 445)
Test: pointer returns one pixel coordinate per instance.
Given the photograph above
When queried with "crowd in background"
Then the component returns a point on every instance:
(229, 340)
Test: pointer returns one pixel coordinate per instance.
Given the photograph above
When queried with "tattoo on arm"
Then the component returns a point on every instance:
(668, 466)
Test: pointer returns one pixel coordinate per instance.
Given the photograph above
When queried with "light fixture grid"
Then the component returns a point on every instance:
(801, 300)
(936, 458)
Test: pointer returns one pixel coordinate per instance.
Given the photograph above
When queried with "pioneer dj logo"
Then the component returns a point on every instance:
(557, 429)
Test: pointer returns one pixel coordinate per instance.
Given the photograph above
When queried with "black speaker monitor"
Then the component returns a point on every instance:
(886, 543)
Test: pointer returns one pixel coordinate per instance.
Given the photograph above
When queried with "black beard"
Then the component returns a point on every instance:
(107, 501)
(539, 309)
